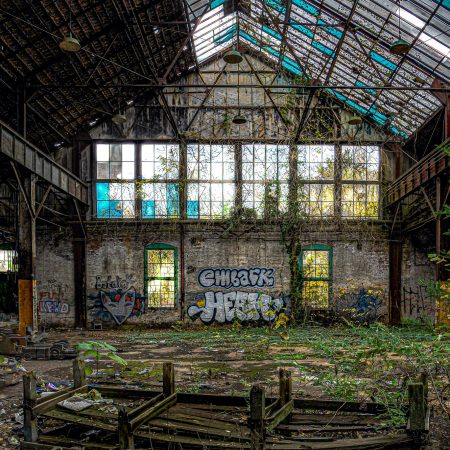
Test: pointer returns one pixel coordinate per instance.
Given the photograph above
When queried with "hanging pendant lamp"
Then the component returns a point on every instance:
(355, 120)
(70, 43)
(400, 46)
(119, 118)
(232, 57)
(239, 119)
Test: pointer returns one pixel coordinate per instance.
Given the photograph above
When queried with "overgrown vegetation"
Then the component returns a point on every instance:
(372, 363)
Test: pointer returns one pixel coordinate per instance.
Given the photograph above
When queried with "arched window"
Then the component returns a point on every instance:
(161, 275)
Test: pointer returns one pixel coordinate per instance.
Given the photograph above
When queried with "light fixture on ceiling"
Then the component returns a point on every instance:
(400, 46)
(355, 120)
(70, 43)
(239, 119)
(119, 118)
(232, 57)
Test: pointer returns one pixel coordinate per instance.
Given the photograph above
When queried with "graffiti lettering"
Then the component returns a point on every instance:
(53, 307)
(237, 278)
(118, 283)
(225, 307)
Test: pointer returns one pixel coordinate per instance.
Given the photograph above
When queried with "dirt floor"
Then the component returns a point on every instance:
(360, 363)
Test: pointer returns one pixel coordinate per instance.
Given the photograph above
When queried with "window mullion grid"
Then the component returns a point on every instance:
(182, 179)
(338, 181)
(293, 180)
(238, 177)
(138, 179)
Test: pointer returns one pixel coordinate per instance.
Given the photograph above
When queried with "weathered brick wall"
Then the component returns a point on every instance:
(55, 279)
(417, 272)
(255, 273)
(361, 279)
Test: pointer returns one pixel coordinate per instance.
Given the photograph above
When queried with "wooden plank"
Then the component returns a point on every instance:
(29, 401)
(285, 386)
(136, 411)
(188, 440)
(45, 398)
(257, 414)
(311, 419)
(341, 406)
(280, 415)
(79, 372)
(230, 432)
(125, 434)
(154, 411)
(85, 421)
(417, 409)
(57, 441)
(208, 422)
(38, 445)
(168, 379)
(221, 415)
(330, 428)
(121, 392)
(52, 402)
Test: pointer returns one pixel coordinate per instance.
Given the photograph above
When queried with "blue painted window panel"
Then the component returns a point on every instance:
(383, 61)
(102, 191)
(307, 7)
(272, 33)
(304, 30)
(371, 91)
(173, 200)
(148, 209)
(192, 209)
(331, 30)
(225, 36)
(103, 209)
(115, 209)
(248, 37)
(323, 48)
(216, 3)
(276, 5)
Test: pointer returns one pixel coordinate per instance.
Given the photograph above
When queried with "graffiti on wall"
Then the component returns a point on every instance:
(362, 306)
(225, 307)
(255, 277)
(416, 301)
(51, 295)
(115, 299)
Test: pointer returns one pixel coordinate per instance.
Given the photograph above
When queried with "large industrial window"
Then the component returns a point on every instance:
(360, 181)
(115, 162)
(316, 180)
(161, 264)
(265, 174)
(160, 188)
(210, 172)
(315, 263)
(8, 261)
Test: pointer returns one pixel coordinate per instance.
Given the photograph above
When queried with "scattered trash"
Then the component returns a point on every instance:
(18, 417)
(76, 403)
(144, 371)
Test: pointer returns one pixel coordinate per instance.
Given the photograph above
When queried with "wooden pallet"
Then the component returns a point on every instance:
(169, 419)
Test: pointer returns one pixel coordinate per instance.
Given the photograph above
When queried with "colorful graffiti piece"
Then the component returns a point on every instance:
(225, 307)
(361, 307)
(53, 307)
(115, 305)
(237, 278)
(121, 304)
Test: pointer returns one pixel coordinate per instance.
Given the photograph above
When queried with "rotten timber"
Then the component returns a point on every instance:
(160, 420)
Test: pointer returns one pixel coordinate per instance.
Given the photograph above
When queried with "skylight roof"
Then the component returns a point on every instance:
(313, 31)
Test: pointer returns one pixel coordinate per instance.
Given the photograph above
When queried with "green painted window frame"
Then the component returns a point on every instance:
(175, 276)
(329, 279)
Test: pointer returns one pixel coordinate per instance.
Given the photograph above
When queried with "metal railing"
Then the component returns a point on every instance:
(18, 149)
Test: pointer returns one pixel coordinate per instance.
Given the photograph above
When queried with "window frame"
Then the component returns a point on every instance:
(147, 278)
(329, 279)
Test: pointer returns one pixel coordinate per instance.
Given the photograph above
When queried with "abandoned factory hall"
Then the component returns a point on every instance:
(225, 224)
